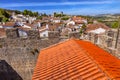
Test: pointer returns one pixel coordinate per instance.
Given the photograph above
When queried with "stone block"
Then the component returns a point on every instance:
(53, 34)
(33, 34)
(110, 33)
(12, 33)
(109, 42)
(74, 35)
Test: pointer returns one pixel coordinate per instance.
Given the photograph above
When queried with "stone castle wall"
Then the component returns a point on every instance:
(74, 35)
(12, 33)
(33, 34)
(53, 34)
(107, 41)
(21, 54)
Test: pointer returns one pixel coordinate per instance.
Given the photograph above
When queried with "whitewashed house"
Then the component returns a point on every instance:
(71, 23)
(22, 33)
(56, 20)
(44, 31)
(1, 26)
(98, 31)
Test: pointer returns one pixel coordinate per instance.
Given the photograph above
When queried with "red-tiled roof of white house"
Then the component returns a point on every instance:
(78, 20)
(76, 60)
(10, 24)
(96, 26)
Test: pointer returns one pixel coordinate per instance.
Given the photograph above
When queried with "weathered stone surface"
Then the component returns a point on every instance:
(107, 41)
(21, 54)
(74, 35)
(12, 33)
(53, 34)
(89, 36)
(110, 33)
(32, 34)
(118, 46)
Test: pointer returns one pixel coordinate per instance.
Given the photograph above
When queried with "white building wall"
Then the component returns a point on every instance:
(44, 34)
(56, 21)
(71, 22)
(1, 26)
(22, 33)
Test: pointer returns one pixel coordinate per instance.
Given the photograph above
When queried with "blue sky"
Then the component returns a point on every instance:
(82, 7)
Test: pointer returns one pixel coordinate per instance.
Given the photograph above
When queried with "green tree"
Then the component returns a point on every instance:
(1, 19)
(17, 12)
(39, 17)
(4, 13)
(64, 18)
(30, 13)
(36, 14)
(4, 19)
(115, 25)
(25, 12)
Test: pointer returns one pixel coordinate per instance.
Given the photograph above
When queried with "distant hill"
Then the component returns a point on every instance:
(104, 15)
(118, 14)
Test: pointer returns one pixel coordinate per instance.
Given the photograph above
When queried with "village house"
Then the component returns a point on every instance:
(22, 18)
(1, 26)
(70, 23)
(8, 25)
(97, 28)
(44, 31)
(18, 17)
(56, 20)
(46, 18)
(23, 32)
(48, 27)
(79, 20)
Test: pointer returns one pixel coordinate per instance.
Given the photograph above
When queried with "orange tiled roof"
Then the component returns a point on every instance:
(9, 24)
(76, 60)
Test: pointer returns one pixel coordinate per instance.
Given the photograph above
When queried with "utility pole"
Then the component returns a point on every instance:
(118, 32)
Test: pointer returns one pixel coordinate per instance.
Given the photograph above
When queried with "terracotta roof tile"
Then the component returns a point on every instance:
(24, 29)
(9, 24)
(76, 60)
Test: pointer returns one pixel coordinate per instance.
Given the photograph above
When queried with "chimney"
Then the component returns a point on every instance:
(39, 24)
(47, 27)
(30, 21)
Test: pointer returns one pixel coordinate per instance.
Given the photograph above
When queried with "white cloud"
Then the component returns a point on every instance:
(52, 4)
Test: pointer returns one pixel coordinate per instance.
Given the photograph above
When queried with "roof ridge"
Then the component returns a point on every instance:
(54, 44)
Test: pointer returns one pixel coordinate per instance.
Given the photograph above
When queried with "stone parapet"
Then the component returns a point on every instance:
(74, 35)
